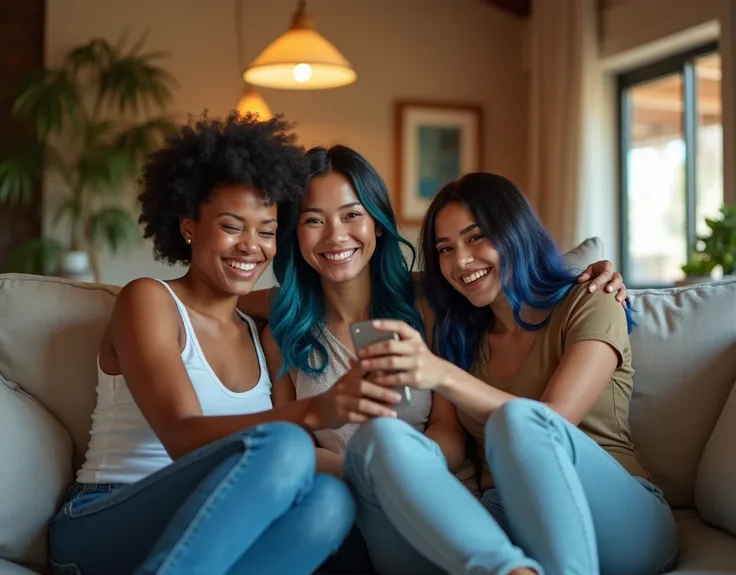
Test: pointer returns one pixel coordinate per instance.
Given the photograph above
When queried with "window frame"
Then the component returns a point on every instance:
(681, 63)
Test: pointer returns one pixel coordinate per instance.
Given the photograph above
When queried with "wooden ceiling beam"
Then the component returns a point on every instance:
(521, 8)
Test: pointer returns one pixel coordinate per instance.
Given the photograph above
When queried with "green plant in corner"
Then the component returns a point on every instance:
(718, 248)
(84, 118)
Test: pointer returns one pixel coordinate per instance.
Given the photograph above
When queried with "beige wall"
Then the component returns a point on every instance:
(428, 49)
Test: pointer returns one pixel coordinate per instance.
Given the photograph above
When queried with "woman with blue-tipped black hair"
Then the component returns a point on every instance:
(540, 373)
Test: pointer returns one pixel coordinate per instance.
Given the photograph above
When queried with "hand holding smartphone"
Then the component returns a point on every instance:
(363, 334)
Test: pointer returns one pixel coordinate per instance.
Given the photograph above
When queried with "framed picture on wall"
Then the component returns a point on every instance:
(435, 143)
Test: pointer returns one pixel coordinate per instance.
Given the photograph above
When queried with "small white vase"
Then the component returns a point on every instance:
(75, 265)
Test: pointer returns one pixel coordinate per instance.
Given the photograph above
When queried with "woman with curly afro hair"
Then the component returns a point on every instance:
(189, 469)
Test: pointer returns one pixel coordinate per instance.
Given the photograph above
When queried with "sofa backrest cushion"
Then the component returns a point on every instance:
(35, 471)
(684, 357)
(50, 332)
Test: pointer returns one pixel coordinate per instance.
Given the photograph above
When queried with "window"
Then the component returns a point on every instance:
(671, 159)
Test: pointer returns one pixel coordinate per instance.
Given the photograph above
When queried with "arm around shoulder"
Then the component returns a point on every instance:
(282, 388)
(257, 304)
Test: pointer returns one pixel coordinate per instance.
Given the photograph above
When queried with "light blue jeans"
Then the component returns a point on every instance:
(561, 505)
(249, 503)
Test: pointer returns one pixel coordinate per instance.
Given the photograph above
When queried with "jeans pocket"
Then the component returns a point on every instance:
(86, 498)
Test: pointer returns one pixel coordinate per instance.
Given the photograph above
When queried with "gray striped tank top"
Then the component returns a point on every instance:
(416, 413)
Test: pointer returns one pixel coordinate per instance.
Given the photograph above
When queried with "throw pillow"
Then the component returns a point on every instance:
(35, 471)
(715, 484)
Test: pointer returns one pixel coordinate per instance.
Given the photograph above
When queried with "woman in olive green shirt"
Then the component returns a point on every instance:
(563, 491)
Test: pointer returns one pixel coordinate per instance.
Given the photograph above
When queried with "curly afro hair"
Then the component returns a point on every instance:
(238, 150)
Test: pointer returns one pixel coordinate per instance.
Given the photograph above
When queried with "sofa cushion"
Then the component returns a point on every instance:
(49, 337)
(684, 359)
(703, 550)
(8, 568)
(36, 464)
(715, 487)
(586, 253)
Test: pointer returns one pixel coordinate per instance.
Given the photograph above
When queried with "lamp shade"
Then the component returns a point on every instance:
(253, 103)
(300, 59)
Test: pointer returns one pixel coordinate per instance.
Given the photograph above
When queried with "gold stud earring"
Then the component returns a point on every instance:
(189, 240)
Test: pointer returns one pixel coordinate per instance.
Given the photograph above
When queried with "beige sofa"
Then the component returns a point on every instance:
(684, 409)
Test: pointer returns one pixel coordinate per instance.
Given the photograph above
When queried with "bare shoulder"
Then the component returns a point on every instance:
(145, 302)
(142, 291)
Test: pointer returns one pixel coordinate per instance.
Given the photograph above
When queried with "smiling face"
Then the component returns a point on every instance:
(467, 259)
(233, 240)
(337, 235)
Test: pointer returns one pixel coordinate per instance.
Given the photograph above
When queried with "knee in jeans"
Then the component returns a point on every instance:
(386, 438)
(379, 434)
(512, 418)
(334, 510)
(291, 452)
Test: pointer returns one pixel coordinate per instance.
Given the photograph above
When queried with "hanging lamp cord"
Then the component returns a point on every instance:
(239, 33)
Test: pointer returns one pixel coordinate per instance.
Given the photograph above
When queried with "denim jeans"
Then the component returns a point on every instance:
(561, 504)
(249, 503)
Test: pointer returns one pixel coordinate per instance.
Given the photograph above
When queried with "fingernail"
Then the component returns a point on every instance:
(376, 323)
(592, 288)
(396, 398)
(394, 414)
(609, 289)
(365, 364)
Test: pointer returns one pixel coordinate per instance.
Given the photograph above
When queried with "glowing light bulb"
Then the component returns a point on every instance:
(302, 72)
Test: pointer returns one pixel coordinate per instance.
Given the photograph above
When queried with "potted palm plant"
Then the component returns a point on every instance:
(89, 141)
(717, 249)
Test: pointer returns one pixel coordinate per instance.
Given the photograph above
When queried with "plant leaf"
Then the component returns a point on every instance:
(141, 139)
(18, 173)
(135, 80)
(92, 56)
(48, 99)
(115, 227)
(70, 205)
(36, 256)
(16, 180)
(96, 132)
(104, 168)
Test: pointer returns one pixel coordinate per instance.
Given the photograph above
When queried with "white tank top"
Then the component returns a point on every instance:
(123, 448)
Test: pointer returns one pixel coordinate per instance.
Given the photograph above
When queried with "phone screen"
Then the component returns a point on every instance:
(363, 334)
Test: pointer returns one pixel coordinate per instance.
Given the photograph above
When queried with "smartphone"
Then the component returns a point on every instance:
(363, 333)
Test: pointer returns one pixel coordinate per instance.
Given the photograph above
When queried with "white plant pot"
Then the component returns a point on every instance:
(75, 265)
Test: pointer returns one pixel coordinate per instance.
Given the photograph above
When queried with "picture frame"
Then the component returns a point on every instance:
(435, 142)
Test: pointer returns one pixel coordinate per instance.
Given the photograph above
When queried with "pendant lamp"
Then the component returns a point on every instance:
(253, 103)
(300, 59)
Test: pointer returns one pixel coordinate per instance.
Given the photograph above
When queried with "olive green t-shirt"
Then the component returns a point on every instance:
(580, 316)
